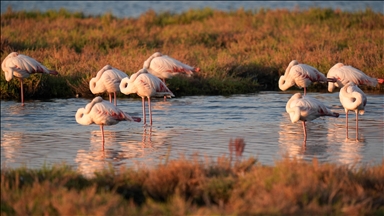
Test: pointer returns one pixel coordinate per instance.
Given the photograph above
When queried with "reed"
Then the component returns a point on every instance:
(240, 51)
(197, 186)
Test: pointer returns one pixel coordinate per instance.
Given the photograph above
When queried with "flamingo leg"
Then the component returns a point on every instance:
(305, 90)
(346, 121)
(115, 102)
(102, 133)
(305, 131)
(357, 125)
(22, 91)
(110, 98)
(165, 97)
(143, 105)
(150, 110)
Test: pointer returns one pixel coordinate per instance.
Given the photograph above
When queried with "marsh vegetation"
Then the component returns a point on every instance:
(239, 51)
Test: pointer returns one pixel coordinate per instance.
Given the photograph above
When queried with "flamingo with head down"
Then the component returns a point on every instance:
(22, 66)
(165, 67)
(306, 108)
(353, 99)
(147, 85)
(344, 74)
(102, 113)
(107, 79)
(301, 75)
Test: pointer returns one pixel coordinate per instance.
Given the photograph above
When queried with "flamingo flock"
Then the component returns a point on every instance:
(149, 82)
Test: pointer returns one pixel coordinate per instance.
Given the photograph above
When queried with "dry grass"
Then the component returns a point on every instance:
(197, 187)
(238, 51)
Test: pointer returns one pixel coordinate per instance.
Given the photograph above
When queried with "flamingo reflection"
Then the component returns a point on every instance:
(349, 150)
(97, 158)
(11, 144)
(289, 136)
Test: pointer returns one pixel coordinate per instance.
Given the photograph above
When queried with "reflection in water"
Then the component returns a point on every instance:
(96, 158)
(349, 150)
(291, 138)
(11, 144)
(47, 133)
(118, 148)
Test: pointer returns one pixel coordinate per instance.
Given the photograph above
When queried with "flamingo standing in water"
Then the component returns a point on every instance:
(102, 113)
(352, 98)
(147, 85)
(107, 79)
(301, 75)
(346, 73)
(22, 66)
(165, 67)
(306, 108)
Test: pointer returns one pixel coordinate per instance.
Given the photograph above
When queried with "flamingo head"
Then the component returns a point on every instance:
(285, 83)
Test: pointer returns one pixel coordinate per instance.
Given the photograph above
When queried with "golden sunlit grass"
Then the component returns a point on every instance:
(238, 51)
(197, 187)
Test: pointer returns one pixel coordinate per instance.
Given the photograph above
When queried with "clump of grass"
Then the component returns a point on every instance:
(197, 187)
(238, 51)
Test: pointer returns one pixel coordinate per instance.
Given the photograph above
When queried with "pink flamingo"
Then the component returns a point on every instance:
(107, 79)
(102, 113)
(301, 75)
(22, 66)
(306, 108)
(147, 85)
(346, 73)
(165, 67)
(352, 98)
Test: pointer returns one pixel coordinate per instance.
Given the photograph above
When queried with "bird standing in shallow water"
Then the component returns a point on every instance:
(352, 98)
(344, 74)
(107, 79)
(301, 75)
(306, 108)
(22, 66)
(102, 113)
(147, 85)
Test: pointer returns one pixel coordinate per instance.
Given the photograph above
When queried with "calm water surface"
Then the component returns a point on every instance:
(46, 132)
(136, 8)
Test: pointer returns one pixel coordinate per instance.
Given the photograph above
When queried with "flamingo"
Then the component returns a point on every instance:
(301, 75)
(107, 79)
(22, 66)
(165, 67)
(147, 85)
(346, 73)
(306, 108)
(353, 99)
(102, 113)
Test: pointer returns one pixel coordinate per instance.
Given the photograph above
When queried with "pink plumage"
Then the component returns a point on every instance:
(301, 75)
(107, 80)
(346, 73)
(305, 108)
(102, 113)
(147, 85)
(165, 67)
(22, 66)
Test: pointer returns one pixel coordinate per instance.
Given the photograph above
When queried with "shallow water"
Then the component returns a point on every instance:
(136, 8)
(46, 132)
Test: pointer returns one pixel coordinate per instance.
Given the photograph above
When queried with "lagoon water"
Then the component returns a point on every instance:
(46, 132)
(134, 9)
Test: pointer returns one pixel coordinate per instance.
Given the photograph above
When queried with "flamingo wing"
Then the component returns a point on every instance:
(166, 64)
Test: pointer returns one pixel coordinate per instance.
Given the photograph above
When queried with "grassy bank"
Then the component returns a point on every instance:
(239, 51)
(197, 187)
